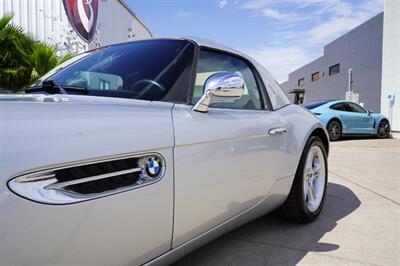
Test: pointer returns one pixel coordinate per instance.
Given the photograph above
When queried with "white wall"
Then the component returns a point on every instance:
(38, 17)
(47, 21)
(391, 62)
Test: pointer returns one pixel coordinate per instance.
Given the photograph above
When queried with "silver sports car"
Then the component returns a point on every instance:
(138, 153)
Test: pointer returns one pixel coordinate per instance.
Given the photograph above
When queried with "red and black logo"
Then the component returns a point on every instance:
(82, 14)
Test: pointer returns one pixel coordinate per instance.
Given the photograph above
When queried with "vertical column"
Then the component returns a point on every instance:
(48, 19)
(31, 5)
(2, 3)
(24, 14)
(16, 10)
(40, 35)
(8, 7)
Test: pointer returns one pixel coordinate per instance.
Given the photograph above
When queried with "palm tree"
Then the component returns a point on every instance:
(42, 58)
(13, 71)
(23, 60)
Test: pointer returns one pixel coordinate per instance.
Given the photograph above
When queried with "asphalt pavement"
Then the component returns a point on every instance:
(359, 225)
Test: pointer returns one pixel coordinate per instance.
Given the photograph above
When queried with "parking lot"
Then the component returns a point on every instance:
(360, 223)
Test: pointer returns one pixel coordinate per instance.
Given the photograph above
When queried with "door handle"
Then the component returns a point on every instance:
(277, 131)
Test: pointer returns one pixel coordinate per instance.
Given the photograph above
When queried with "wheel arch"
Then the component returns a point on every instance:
(332, 119)
(383, 119)
(317, 131)
(378, 122)
(321, 134)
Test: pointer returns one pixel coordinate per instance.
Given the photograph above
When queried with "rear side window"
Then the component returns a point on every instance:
(340, 107)
(313, 105)
(348, 107)
(212, 62)
(355, 108)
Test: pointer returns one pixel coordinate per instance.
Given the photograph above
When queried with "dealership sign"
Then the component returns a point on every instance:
(82, 14)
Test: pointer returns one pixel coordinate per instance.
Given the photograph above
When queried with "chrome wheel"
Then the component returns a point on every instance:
(383, 129)
(335, 130)
(314, 178)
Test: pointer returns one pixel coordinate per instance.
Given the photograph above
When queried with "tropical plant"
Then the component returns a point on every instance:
(23, 60)
(42, 58)
(13, 71)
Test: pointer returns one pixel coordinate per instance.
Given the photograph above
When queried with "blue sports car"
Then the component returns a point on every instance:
(348, 118)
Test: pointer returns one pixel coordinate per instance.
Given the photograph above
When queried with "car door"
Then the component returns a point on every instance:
(225, 160)
(349, 119)
(363, 121)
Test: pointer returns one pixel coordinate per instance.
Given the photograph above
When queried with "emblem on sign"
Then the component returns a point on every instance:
(82, 14)
(153, 166)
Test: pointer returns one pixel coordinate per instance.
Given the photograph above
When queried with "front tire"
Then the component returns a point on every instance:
(308, 192)
(334, 130)
(383, 129)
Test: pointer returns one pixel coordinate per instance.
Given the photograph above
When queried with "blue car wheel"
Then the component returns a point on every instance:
(383, 129)
(334, 130)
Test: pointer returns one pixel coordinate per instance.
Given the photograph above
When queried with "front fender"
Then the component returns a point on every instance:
(300, 125)
(377, 119)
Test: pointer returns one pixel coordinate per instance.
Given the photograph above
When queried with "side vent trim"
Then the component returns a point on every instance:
(63, 185)
(85, 181)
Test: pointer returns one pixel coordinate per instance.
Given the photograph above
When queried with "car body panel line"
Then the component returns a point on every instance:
(173, 177)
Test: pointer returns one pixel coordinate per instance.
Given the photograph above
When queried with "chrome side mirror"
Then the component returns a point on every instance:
(220, 87)
(369, 112)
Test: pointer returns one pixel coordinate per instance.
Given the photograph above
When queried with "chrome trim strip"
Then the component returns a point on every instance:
(60, 185)
(35, 177)
(42, 178)
(60, 166)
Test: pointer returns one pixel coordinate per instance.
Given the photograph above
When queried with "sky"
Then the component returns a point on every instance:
(283, 35)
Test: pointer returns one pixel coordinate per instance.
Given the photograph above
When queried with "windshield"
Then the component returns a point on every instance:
(313, 105)
(156, 70)
(60, 67)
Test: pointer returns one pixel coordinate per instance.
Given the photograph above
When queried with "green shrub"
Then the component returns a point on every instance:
(22, 59)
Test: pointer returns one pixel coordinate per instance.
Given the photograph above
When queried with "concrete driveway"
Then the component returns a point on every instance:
(360, 224)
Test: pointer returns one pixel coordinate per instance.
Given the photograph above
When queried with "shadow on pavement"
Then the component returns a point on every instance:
(346, 138)
(271, 240)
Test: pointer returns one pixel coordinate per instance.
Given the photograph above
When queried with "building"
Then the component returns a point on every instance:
(358, 52)
(390, 98)
(76, 25)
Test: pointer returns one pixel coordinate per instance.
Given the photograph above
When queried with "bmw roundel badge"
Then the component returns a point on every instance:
(153, 166)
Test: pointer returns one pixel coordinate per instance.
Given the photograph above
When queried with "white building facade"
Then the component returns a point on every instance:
(76, 25)
(390, 97)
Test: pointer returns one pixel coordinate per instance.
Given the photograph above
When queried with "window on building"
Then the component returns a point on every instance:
(300, 82)
(335, 69)
(299, 98)
(315, 76)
